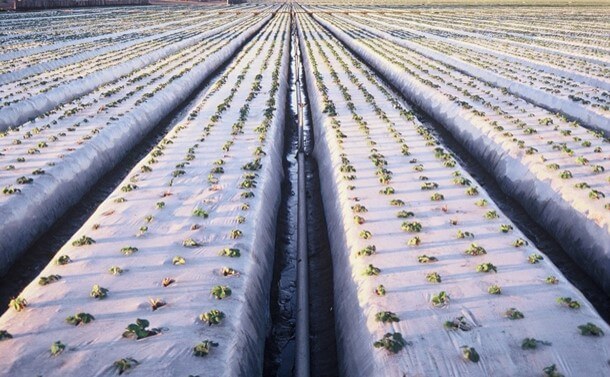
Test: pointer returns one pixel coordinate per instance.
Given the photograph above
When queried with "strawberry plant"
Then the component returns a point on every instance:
(391, 342)
(433, 277)
(203, 349)
(470, 354)
(475, 250)
(44, 280)
(590, 329)
(414, 241)
(156, 303)
(98, 292)
(18, 303)
(228, 271)
(532, 344)
(213, 317)
(440, 299)
(221, 291)
(62, 260)
(166, 282)
(486, 267)
(568, 302)
(386, 317)
(534, 258)
(189, 242)
(397, 203)
(494, 289)
(491, 214)
(551, 280)
(367, 251)
(115, 270)
(178, 261)
(513, 313)
(426, 259)
(464, 234)
(230, 252)
(139, 330)
(551, 371)
(413, 226)
(235, 233)
(458, 323)
(84, 240)
(404, 214)
(128, 250)
(4, 335)
(380, 290)
(371, 270)
(520, 242)
(123, 365)
(505, 228)
(79, 318)
(57, 348)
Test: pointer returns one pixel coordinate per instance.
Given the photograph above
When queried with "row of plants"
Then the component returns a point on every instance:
(356, 121)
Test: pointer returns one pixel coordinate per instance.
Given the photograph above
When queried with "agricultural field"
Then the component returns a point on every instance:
(461, 160)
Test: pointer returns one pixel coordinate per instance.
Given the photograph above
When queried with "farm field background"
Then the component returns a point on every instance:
(447, 142)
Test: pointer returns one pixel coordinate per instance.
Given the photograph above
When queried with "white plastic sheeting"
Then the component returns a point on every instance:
(93, 347)
(585, 234)
(33, 211)
(18, 113)
(434, 351)
(536, 96)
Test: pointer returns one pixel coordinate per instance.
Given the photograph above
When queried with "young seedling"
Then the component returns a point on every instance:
(440, 299)
(123, 365)
(470, 354)
(371, 270)
(79, 318)
(386, 317)
(63, 260)
(220, 292)
(532, 344)
(492, 214)
(494, 290)
(213, 317)
(426, 259)
(18, 303)
(551, 280)
(115, 270)
(45, 280)
(461, 234)
(240, 219)
(98, 292)
(156, 303)
(189, 242)
(228, 271)
(359, 208)
(505, 228)
(128, 250)
(57, 348)
(433, 277)
(166, 282)
(458, 323)
(4, 335)
(551, 371)
(590, 329)
(178, 261)
(520, 242)
(139, 330)
(414, 241)
(397, 203)
(160, 205)
(84, 240)
(230, 252)
(481, 203)
(367, 251)
(486, 267)
(437, 197)
(568, 302)
(412, 226)
(534, 258)
(404, 214)
(380, 290)
(203, 349)
(391, 342)
(359, 220)
(475, 250)
(513, 313)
